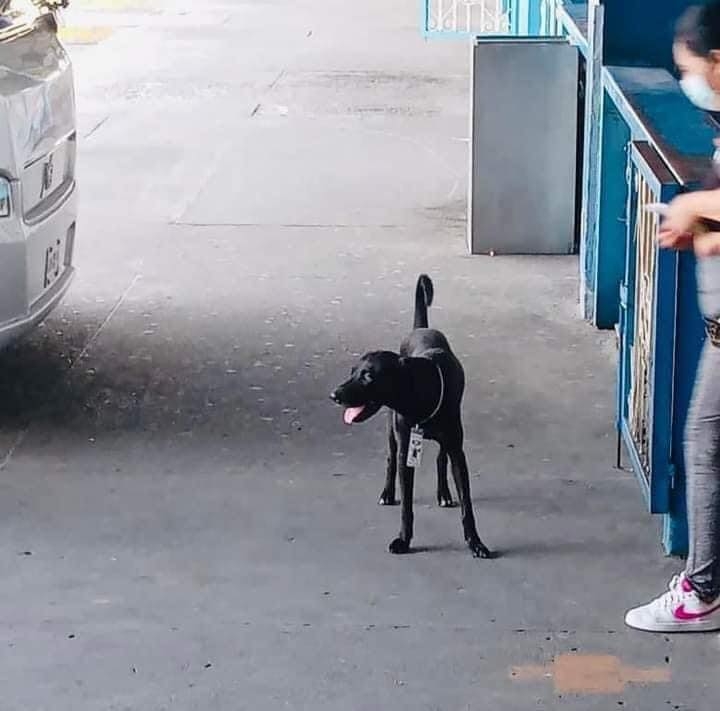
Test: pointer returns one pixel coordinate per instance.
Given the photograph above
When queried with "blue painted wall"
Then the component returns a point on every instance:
(640, 32)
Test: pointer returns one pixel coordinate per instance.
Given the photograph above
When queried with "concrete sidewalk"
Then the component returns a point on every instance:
(186, 523)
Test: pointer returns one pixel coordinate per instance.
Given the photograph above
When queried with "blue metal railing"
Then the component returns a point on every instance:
(660, 335)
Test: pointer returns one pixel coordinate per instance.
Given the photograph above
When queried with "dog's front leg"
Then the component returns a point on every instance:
(462, 482)
(387, 498)
(407, 479)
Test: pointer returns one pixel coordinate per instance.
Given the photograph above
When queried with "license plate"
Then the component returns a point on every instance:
(54, 262)
(52, 172)
(43, 178)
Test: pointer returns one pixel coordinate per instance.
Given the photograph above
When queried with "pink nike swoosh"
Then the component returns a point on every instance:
(680, 614)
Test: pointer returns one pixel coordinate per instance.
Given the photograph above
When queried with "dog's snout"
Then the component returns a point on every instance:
(334, 396)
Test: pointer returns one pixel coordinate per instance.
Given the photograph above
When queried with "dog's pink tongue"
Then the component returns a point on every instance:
(352, 413)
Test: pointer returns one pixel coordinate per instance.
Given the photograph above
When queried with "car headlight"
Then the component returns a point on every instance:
(4, 198)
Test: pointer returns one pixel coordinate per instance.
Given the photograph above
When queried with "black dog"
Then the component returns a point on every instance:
(423, 387)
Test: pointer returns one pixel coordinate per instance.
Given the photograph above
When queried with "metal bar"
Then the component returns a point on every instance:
(650, 165)
(592, 167)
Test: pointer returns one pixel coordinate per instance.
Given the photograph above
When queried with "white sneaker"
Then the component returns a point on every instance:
(680, 609)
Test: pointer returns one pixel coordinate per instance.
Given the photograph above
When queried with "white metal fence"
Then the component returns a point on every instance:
(467, 16)
(490, 17)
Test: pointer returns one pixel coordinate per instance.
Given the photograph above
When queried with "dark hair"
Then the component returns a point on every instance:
(699, 29)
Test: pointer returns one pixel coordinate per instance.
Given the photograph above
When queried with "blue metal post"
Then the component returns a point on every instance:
(534, 15)
(688, 345)
(626, 317)
(592, 164)
(519, 17)
(610, 235)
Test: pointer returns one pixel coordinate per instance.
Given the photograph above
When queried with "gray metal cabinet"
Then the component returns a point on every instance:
(524, 128)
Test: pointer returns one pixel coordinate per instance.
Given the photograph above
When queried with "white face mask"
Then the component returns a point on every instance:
(698, 90)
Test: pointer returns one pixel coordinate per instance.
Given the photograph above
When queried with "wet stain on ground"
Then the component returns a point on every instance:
(591, 674)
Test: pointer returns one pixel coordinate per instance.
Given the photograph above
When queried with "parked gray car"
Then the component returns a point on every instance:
(38, 203)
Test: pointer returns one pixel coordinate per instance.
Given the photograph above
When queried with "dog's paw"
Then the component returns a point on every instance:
(479, 549)
(445, 500)
(387, 499)
(399, 547)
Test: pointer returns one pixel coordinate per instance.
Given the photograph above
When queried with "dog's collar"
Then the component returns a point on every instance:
(440, 399)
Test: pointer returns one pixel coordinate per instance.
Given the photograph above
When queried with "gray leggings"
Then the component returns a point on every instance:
(702, 452)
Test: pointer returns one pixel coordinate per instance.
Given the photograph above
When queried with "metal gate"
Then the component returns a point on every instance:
(647, 324)
(641, 351)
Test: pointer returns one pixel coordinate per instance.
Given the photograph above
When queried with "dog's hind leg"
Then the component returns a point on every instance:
(462, 482)
(444, 497)
(387, 498)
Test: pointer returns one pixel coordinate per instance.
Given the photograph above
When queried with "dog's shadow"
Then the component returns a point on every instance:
(528, 549)
(448, 548)
(440, 548)
(548, 549)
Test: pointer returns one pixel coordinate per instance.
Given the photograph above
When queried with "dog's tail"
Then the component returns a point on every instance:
(424, 293)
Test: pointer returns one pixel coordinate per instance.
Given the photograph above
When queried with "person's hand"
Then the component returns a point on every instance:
(680, 243)
(678, 220)
(707, 245)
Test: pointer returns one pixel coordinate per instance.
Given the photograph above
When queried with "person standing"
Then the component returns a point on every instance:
(692, 221)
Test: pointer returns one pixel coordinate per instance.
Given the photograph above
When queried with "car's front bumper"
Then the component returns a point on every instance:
(13, 330)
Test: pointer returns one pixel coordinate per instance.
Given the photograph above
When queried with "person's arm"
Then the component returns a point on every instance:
(705, 204)
(685, 211)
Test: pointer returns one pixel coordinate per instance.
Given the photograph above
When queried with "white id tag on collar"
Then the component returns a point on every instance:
(415, 450)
